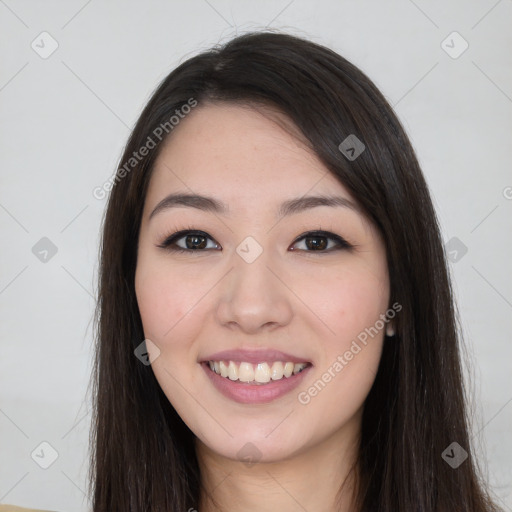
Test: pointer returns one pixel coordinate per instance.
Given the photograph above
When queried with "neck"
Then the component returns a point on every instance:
(326, 468)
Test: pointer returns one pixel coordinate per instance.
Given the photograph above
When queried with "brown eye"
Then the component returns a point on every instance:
(195, 241)
(188, 241)
(316, 242)
(321, 241)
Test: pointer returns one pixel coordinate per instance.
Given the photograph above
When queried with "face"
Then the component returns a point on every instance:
(260, 278)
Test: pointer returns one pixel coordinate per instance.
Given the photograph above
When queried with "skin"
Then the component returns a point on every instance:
(305, 302)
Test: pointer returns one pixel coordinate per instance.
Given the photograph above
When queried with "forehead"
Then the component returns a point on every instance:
(240, 153)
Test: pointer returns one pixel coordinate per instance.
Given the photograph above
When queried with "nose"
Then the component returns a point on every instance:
(254, 297)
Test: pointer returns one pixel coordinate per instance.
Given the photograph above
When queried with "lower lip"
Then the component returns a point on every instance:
(253, 393)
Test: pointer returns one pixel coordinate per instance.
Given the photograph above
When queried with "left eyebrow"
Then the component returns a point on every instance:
(305, 203)
(289, 207)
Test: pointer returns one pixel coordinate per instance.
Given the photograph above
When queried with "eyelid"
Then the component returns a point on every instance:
(342, 244)
(171, 239)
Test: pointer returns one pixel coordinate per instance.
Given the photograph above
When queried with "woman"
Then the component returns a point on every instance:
(276, 328)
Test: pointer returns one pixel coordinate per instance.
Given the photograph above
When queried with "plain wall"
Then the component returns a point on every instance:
(64, 120)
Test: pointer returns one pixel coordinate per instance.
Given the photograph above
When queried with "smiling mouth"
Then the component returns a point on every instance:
(256, 374)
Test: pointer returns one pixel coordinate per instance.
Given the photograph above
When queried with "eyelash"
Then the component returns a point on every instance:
(169, 242)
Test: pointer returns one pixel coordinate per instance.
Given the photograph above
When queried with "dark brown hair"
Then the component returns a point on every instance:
(143, 456)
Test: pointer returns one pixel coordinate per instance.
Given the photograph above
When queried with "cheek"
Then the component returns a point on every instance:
(162, 300)
(170, 306)
(351, 305)
(151, 298)
(348, 302)
(171, 303)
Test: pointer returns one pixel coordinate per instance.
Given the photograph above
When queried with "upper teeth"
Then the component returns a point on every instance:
(261, 372)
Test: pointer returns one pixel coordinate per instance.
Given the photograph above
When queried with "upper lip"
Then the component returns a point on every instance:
(254, 356)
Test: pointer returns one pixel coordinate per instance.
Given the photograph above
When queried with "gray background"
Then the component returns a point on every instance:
(66, 117)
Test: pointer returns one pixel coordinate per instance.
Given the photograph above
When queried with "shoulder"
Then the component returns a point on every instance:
(12, 508)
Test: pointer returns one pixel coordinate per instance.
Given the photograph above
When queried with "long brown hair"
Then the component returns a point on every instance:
(143, 456)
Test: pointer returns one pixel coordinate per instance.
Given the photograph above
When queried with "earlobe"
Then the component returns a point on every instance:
(390, 331)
